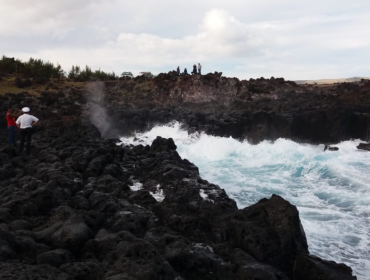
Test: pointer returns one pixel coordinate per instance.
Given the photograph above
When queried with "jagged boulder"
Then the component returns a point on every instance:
(270, 231)
(163, 145)
(55, 257)
(364, 146)
(311, 267)
(72, 234)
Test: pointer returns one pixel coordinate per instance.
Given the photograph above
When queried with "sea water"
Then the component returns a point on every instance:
(331, 189)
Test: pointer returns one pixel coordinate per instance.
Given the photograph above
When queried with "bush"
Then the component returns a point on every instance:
(35, 68)
(43, 71)
(41, 80)
(20, 83)
(88, 75)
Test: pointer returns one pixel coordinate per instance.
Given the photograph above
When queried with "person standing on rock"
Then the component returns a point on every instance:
(25, 123)
(12, 126)
(178, 70)
(194, 69)
(199, 69)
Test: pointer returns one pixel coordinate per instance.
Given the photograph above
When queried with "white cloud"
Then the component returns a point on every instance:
(45, 18)
(241, 38)
(219, 36)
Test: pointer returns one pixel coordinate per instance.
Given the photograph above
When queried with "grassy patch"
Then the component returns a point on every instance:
(7, 85)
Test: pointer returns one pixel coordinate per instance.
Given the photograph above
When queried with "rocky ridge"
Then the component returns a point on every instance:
(255, 110)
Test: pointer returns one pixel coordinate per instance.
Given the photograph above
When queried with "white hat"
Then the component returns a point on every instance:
(25, 109)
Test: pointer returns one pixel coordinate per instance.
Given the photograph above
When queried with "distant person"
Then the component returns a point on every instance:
(25, 123)
(12, 126)
(194, 69)
(178, 70)
(199, 69)
(185, 71)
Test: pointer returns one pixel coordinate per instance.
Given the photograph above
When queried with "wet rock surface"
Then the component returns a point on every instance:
(82, 207)
(364, 146)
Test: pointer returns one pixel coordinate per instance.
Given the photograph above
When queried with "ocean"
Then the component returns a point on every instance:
(331, 189)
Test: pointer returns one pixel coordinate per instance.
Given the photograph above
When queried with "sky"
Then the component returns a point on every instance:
(293, 39)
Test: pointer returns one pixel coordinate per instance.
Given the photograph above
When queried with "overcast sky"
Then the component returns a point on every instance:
(293, 39)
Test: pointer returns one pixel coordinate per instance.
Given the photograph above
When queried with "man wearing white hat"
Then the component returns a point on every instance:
(25, 124)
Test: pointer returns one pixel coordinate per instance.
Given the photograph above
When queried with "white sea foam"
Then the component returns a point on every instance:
(158, 194)
(136, 186)
(330, 189)
(204, 195)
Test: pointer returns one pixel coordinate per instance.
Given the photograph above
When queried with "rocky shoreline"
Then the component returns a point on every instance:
(73, 208)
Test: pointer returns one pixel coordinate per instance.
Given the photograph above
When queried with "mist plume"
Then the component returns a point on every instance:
(97, 111)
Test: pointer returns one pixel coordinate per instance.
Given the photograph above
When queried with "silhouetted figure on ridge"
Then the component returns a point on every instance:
(194, 69)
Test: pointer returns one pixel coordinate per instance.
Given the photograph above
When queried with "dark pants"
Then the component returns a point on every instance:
(26, 135)
(11, 135)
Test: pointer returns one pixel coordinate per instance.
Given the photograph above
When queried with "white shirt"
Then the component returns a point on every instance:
(26, 120)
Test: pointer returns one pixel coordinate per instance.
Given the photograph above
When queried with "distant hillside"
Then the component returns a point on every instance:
(332, 81)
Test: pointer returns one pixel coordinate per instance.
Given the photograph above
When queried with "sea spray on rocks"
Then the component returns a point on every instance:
(330, 189)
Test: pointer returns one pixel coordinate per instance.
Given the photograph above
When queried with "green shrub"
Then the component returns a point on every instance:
(40, 70)
(35, 68)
